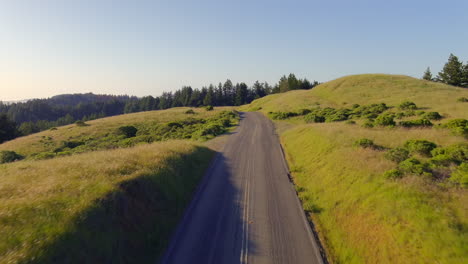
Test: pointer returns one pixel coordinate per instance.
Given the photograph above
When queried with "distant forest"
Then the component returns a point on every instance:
(18, 119)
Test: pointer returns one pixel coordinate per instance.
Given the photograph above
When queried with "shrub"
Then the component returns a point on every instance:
(413, 165)
(457, 126)
(368, 124)
(8, 156)
(190, 112)
(71, 144)
(281, 115)
(407, 105)
(420, 113)
(385, 120)
(313, 118)
(304, 111)
(338, 115)
(127, 131)
(456, 153)
(432, 116)
(393, 174)
(44, 155)
(209, 108)
(416, 123)
(350, 122)
(80, 123)
(462, 99)
(397, 154)
(460, 176)
(420, 146)
(364, 143)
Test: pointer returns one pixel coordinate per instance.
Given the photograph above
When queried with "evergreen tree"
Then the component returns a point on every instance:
(427, 75)
(7, 128)
(452, 73)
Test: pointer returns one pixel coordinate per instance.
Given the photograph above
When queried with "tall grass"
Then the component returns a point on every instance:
(100, 207)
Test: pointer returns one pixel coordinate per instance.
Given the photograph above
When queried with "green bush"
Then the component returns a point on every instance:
(313, 118)
(190, 112)
(209, 108)
(462, 99)
(364, 143)
(281, 115)
(397, 154)
(460, 176)
(338, 115)
(384, 120)
(368, 124)
(420, 146)
(80, 123)
(369, 111)
(456, 153)
(416, 123)
(71, 144)
(304, 112)
(127, 131)
(407, 105)
(457, 126)
(414, 166)
(432, 116)
(8, 156)
(44, 155)
(393, 174)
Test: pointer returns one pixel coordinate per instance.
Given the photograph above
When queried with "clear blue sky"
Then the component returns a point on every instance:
(141, 48)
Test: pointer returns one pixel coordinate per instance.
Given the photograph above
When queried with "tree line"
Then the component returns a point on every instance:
(454, 73)
(32, 116)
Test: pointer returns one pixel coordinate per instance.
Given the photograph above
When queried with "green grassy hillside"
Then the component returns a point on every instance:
(90, 194)
(362, 214)
(174, 123)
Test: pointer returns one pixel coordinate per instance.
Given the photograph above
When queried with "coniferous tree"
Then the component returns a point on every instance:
(452, 73)
(427, 75)
(7, 128)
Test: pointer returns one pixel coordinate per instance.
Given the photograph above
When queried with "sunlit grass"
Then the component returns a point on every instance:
(98, 207)
(362, 217)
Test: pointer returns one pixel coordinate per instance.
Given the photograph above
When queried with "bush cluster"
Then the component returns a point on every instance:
(8, 156)
(452, 159)
(407, 105)
(416, 123)
(364, 143)
(127, 131)
(281, 115)
(457, 126)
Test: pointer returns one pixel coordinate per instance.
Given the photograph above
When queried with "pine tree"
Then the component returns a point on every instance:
(427, 75)
(452, 73)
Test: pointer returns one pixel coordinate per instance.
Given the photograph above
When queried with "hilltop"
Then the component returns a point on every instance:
(380, 166)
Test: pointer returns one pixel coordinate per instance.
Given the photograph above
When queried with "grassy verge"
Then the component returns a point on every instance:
(364, 218)
(109, 206)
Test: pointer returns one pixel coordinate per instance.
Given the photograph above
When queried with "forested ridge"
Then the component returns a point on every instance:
(35, 115)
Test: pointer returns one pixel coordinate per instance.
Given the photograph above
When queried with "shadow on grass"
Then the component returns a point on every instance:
(133, 223)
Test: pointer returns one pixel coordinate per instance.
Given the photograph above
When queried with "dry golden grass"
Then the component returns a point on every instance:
(48, 208)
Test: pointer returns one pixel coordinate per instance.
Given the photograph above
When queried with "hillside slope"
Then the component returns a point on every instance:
(367, 89)
(362, 214)
(110, 190)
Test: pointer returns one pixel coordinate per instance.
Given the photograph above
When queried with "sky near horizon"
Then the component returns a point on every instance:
(52, 47)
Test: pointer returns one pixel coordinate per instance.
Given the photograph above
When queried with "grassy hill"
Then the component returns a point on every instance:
(363, 213)
(109, 199)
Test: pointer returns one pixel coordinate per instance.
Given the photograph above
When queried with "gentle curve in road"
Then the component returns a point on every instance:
(246, 209)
